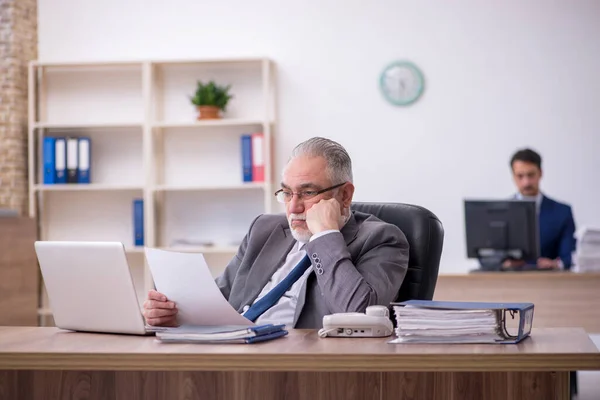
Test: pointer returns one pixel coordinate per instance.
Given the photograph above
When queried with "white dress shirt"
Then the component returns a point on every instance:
(538, 200)
(284, 310)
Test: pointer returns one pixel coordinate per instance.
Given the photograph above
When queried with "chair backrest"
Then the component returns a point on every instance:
(425, 235)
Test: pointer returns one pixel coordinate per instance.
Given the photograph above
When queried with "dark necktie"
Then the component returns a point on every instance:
(271, 298)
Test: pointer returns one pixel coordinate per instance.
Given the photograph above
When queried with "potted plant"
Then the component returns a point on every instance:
(211, 98)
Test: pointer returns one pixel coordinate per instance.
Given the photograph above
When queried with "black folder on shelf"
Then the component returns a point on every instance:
(72, 160)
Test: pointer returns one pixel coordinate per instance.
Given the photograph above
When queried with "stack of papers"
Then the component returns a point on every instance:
(427, 321)
(186, 279)
(431, 325)
(587, 256)
(204, 314)
(222, 334)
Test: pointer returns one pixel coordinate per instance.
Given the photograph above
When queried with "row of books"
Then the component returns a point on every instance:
(66, 160)
(253, 157)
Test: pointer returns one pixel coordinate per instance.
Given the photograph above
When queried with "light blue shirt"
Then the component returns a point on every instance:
(538, 200)
(284, 310)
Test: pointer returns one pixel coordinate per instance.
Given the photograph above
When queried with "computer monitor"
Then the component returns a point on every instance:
(501, 229)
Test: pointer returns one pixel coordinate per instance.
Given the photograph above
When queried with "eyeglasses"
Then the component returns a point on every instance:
(285, 195)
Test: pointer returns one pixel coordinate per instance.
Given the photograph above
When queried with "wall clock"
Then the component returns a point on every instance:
(401, 83)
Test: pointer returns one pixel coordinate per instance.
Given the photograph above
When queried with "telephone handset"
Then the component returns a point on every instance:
(374, 323)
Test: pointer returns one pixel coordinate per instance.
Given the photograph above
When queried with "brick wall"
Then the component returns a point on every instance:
(18, 45)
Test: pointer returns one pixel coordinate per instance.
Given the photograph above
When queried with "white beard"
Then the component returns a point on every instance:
(304, 235)
(301, 236)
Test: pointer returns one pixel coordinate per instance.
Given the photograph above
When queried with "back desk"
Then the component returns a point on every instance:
(562, 299)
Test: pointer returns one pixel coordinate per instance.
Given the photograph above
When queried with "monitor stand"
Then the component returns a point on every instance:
(491, 260)
(491, 263)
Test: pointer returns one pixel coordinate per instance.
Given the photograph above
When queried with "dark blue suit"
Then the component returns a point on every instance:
(557, 231)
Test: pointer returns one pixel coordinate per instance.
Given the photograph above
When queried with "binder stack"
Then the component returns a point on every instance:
(422, 321)
(253, 157)
(66, 160)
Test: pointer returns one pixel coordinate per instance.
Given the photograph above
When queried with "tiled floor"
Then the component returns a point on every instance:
(589, 381)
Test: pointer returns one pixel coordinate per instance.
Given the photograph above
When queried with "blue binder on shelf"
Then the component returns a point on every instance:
(60, 160)
(83, 167)
(138, 222)
(438, 325)
(246, 158)
(48, 155)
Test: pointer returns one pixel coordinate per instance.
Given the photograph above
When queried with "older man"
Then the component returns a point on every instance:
(318, 259)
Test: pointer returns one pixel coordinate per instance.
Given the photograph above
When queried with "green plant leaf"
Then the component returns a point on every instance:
(211, 94)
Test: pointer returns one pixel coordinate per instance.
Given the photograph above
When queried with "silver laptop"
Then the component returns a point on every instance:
(90, 288)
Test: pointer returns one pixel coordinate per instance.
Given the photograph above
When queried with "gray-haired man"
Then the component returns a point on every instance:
(318, 259)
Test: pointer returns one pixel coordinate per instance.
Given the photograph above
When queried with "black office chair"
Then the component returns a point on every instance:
(425, 235)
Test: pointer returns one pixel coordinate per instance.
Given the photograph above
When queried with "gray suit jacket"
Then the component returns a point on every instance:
(362, 265)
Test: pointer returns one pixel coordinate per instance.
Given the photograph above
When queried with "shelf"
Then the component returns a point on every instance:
(209, 123)
(236, 60)
(86, 125)
(203, 249)
(89, 64)
(187, 171)
(241, 186)
(139, 62)
(80, 187)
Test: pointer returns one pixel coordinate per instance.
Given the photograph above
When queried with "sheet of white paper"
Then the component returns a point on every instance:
(185, 279)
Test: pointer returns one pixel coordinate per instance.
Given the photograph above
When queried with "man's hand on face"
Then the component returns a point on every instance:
(159, 311)
(323, 216)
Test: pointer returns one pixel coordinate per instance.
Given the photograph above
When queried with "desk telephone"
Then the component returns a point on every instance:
(374, 323)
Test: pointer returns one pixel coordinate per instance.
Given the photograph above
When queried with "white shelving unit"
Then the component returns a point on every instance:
(146, 143)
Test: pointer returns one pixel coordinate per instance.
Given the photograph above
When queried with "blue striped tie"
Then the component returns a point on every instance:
(269, 300)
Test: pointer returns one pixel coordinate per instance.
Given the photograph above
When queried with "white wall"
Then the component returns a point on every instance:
(500, 75)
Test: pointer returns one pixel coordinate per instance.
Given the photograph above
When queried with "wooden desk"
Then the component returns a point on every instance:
(562, 299)
(40, 363)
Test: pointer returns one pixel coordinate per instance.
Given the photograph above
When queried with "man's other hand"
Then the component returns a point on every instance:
(546, 263)
(323, 216)
(159, 311)
(510, 263)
